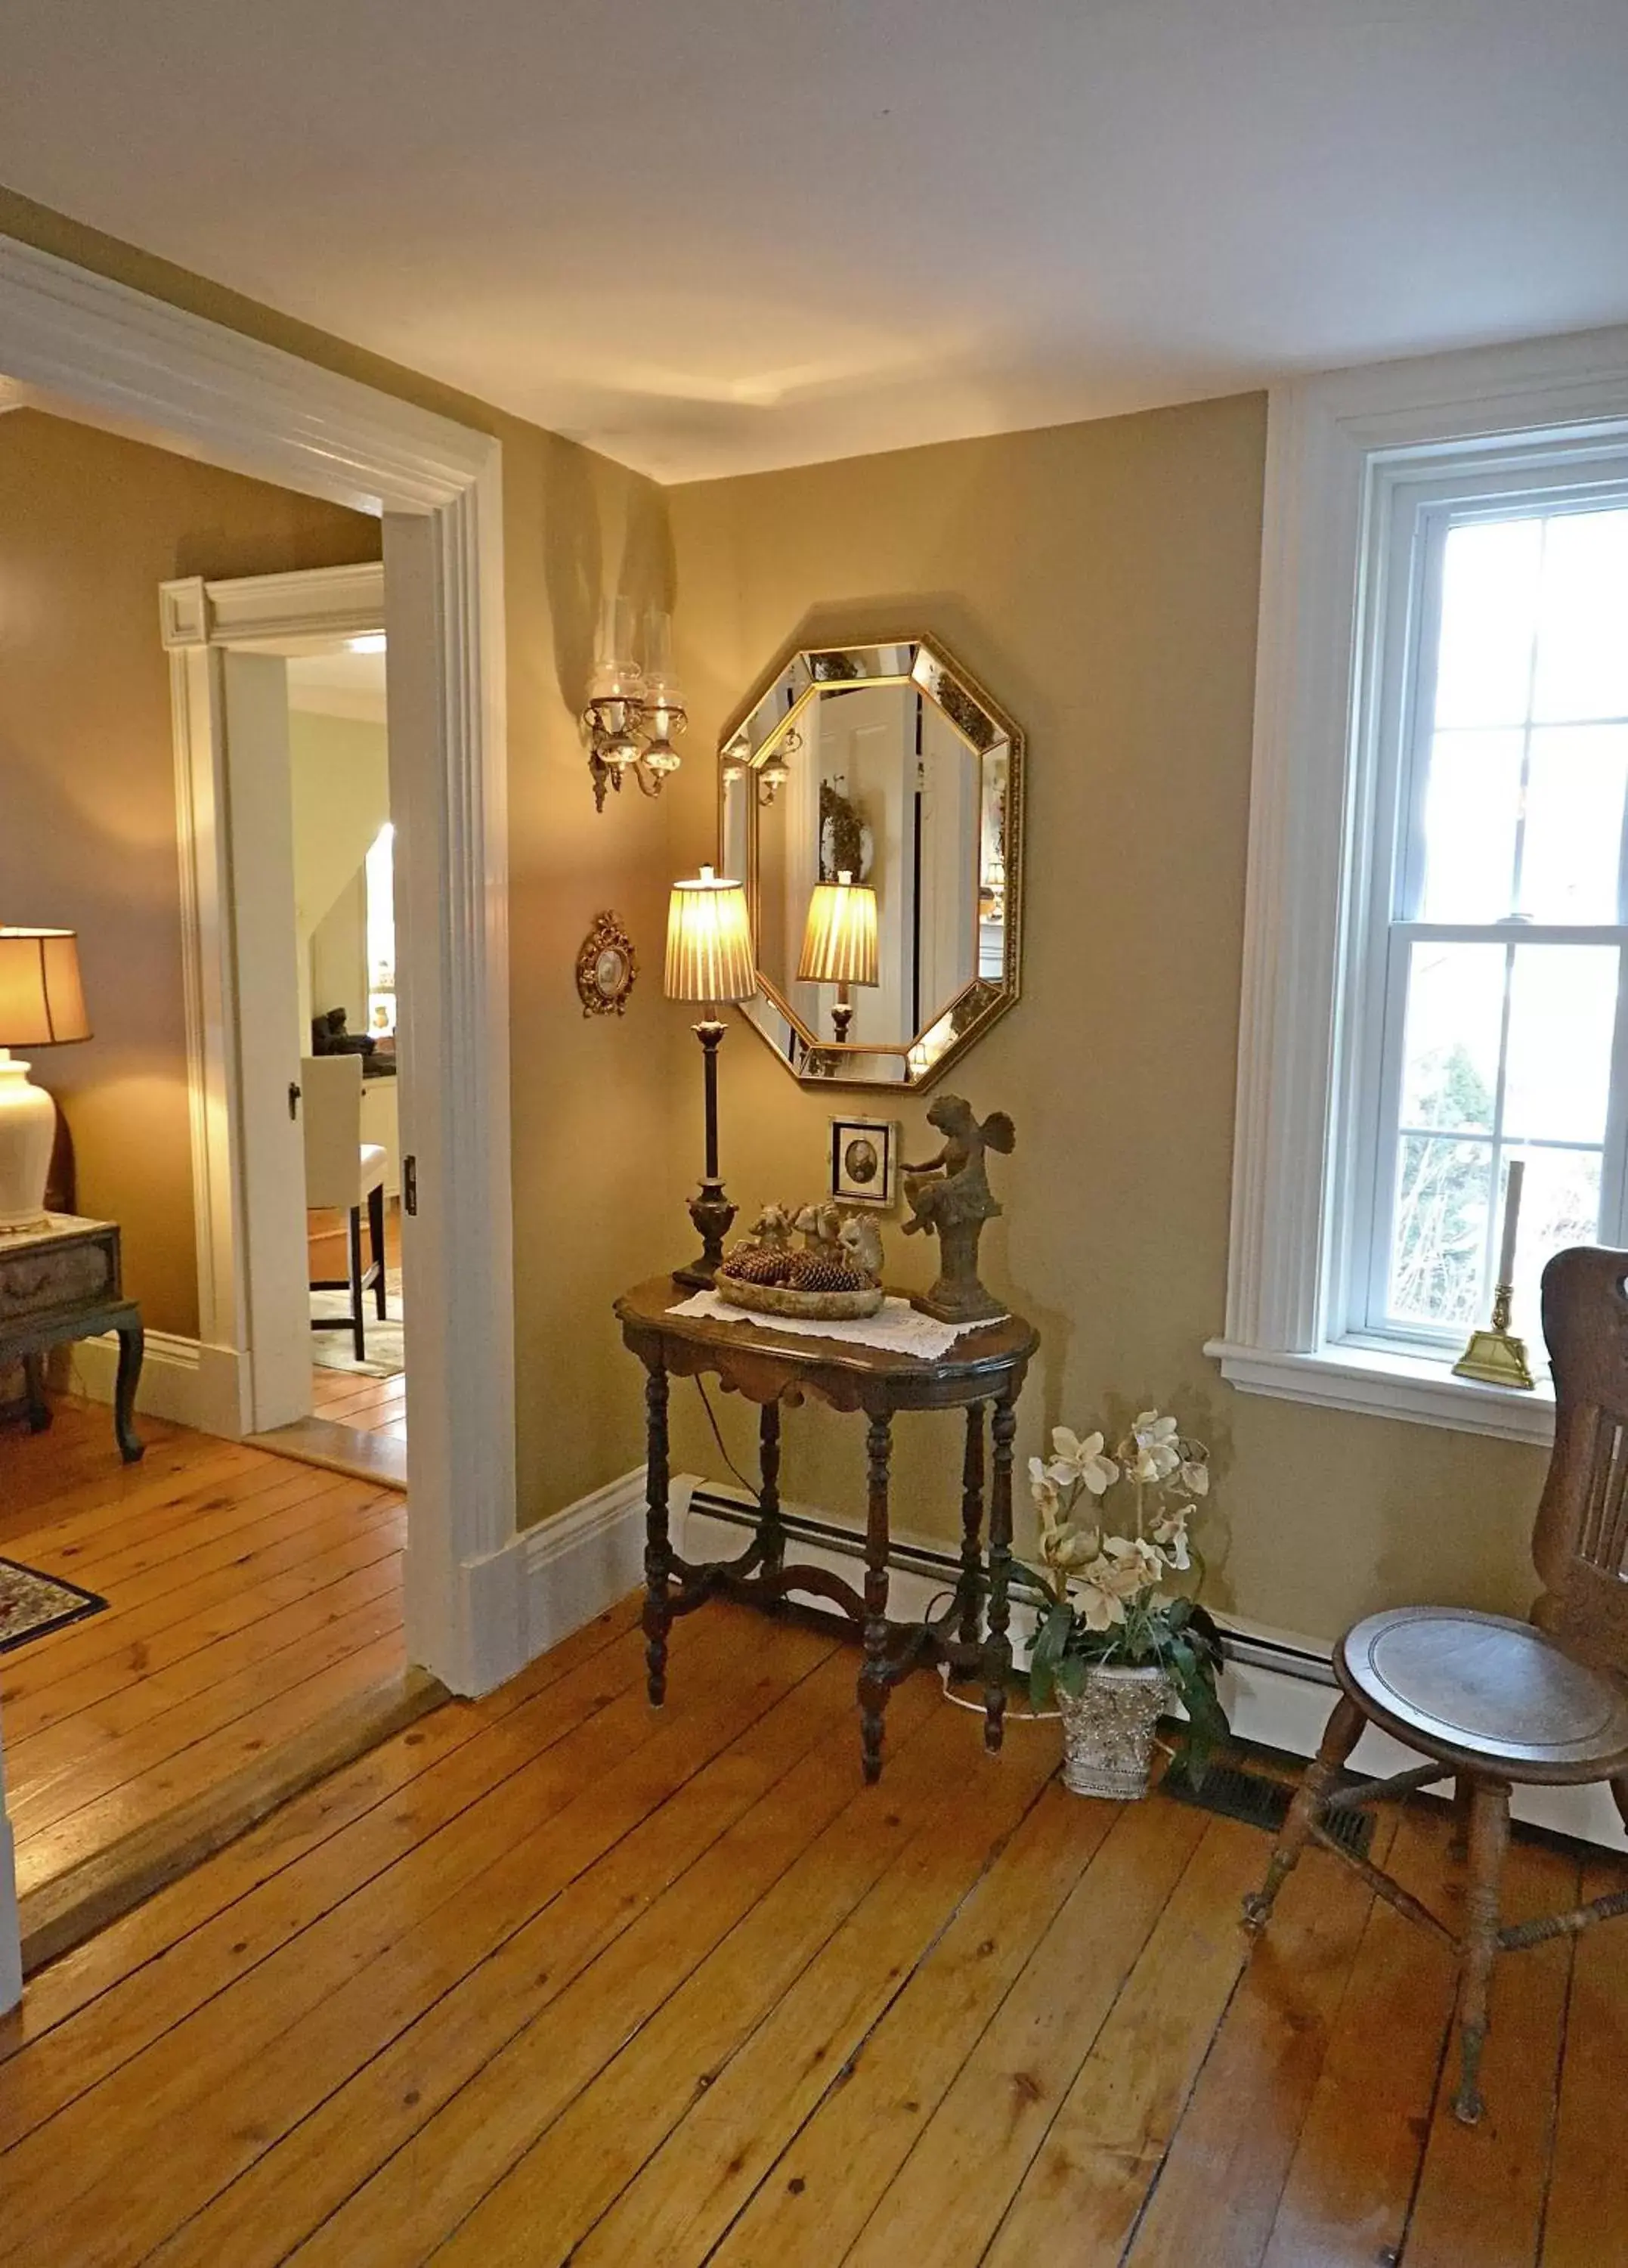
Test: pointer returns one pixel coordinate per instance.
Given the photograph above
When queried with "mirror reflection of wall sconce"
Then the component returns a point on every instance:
(769, 778)
(634, 708)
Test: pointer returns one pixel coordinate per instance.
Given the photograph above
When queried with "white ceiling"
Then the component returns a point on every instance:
(333, 681)
(725, 234)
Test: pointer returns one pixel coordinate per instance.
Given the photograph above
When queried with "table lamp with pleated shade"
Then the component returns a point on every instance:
(709, 960)
(41, 1005)
(840, 943)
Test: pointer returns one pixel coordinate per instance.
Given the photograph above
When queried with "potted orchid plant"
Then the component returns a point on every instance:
(1115, 1640)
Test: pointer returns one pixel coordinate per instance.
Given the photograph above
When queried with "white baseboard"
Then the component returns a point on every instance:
(588, 1557)
(184, 1381)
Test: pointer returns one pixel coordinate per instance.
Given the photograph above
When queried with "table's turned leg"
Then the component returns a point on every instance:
(770, 1533)
(997, 1645)
(34, 1394)
(132, 1345)
(657, 1544)
(972, 1582)
(873, 1692)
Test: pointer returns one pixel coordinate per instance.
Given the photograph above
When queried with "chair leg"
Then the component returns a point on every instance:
(1341, 1735)
(1489, 1840)
(375, 1241)
(358, 1330)
(1464, 1807)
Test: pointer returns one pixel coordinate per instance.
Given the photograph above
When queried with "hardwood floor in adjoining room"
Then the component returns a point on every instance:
(554, 1975)
(246, 1597)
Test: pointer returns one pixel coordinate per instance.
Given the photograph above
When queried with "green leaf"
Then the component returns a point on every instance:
(1051, 1639)
(1071, 1675)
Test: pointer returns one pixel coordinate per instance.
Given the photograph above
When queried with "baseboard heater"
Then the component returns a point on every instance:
(934, 1564)
(1277, 1686)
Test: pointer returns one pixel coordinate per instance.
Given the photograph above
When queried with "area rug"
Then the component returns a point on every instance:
(387, 1356)
(31, 1603)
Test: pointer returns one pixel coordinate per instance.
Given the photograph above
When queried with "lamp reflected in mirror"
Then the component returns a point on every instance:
(840, 943)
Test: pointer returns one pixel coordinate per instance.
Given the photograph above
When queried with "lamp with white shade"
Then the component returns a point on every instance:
(42, 1005)
(709, 960)
(840, 943)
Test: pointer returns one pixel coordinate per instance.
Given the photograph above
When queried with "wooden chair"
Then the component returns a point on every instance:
(1492, 1701)
(342, 1174)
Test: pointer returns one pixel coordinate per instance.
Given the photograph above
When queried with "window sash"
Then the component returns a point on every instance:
(1390, 877)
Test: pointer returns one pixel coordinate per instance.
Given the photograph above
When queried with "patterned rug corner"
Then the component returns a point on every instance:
(31, 1603)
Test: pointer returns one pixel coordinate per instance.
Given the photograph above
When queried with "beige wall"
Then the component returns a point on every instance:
(1102, 580)
(340, 772)
(89, 526)
(590, 1099)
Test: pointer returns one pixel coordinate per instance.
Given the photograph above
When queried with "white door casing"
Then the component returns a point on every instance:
(92, 349)
(234, 796)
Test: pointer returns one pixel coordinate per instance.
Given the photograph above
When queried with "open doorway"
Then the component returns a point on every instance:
(298, 728)
(346, 947)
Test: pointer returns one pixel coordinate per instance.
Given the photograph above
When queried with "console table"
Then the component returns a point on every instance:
(771, 1366)
(63, 1282)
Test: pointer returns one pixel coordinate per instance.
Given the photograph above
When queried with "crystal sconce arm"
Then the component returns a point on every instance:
(635, 711)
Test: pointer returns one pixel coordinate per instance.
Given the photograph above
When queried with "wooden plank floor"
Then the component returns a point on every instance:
(367, 1405)
(247, 1595)
(557, 1976)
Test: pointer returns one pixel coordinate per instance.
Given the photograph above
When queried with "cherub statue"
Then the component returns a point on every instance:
(949, 1196)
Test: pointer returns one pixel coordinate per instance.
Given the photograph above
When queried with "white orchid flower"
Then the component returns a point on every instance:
(1195, 1473)
(1099, 1609)
(1077, 1460)
(1157, 1455)
(1130, 1565)
(1042, 1488)
(1169, 1535)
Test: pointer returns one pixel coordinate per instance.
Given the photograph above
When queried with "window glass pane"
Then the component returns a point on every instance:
(1437, 1250)
(1559, 1205)
(1562, 1009)
(1489, 615)
(1454, 1015)
(1582, 650)
(1572, 854)
(1472, 804)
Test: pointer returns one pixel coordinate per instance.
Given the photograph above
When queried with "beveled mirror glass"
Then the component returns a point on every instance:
(884, 771)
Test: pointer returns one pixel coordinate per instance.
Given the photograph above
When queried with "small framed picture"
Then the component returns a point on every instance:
(864, 1160)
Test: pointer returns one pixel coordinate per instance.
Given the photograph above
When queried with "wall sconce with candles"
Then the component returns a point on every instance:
(840, 943)
(634, 710)
(768, 778)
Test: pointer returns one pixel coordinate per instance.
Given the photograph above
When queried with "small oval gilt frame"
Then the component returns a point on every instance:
(606, 968)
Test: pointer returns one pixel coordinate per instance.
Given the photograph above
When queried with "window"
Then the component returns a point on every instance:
(1436, 978)
(1502, 906)
(380, 880)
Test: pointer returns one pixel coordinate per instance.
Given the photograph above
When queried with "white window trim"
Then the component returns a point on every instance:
(1332, 442)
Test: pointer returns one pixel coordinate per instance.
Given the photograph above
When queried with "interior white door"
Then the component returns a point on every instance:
(260, 795)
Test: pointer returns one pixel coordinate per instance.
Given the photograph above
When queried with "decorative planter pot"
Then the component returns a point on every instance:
(1108, 1732)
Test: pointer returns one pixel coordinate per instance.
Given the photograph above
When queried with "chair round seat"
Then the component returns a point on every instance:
(1487, 1690)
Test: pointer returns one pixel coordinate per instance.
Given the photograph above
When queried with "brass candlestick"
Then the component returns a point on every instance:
(1496, 1357)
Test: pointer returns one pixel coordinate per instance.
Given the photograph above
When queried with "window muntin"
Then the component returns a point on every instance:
(1501, 926)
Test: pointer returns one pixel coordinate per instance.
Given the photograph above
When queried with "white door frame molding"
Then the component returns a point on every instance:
(226, 879)
(94, 349)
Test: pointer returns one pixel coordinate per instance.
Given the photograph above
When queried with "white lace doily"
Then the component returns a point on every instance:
(897, 1327)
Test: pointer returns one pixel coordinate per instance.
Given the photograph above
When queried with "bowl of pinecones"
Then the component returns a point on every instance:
(833, 1275)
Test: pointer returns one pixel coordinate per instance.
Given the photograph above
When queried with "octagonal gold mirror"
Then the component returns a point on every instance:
(870, 798)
